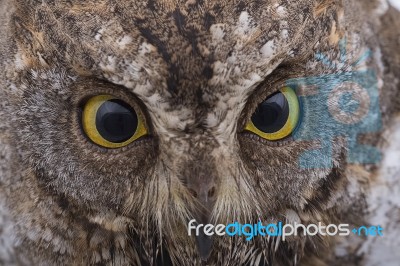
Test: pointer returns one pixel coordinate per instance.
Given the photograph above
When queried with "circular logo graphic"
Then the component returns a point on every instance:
(348, 103)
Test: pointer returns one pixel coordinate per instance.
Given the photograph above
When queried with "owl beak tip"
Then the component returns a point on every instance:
(204, 245)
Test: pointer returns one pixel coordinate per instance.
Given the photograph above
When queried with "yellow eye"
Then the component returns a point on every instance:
(277, 116)
(111, 123)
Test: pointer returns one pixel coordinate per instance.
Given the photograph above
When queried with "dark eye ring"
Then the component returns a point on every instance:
(111, 122)
(277, 116)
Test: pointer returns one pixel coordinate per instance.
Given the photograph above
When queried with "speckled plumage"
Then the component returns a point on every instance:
(197, 69)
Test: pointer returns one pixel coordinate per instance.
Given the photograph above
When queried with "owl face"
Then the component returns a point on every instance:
(134, 117)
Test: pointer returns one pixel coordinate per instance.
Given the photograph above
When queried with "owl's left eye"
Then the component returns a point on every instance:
(111, 122)
(277, 116)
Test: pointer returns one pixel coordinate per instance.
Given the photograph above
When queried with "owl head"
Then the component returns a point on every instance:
(128, 119)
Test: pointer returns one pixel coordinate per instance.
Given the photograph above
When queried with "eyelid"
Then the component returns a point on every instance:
(89, 126)
(290, 124)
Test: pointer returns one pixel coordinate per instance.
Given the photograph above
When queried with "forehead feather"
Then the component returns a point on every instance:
(182, 51)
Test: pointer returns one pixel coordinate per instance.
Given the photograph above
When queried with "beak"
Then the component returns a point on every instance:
(204, 245)
(205, 193)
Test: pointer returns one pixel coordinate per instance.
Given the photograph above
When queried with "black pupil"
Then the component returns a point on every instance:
(272, 114)
(116, 121)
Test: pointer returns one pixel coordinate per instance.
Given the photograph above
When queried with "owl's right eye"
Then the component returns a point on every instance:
(111, 122)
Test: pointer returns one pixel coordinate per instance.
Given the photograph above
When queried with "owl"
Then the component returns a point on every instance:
(122, 121)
